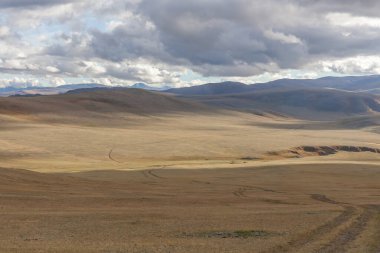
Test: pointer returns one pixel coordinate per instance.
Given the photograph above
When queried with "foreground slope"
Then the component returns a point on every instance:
(283, 208)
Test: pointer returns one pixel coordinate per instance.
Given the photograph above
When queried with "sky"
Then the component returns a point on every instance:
(184, 43)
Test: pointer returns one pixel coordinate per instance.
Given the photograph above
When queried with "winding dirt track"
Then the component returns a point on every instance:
(355, 218)
(341, 242)
(110, 156)
(153, 174)
(298, 208)
(344, 228)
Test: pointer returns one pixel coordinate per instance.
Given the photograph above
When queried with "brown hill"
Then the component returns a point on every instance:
(312, 104)
(94, 104)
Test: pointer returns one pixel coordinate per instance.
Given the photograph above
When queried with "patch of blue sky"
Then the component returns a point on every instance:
(190, 76)
(92, 22)
(48, 31)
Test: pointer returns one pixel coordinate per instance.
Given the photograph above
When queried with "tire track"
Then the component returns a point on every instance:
(242, 189)
(342, 241)
(240, 192)
(111, 158)
(312, 236)
(200, 182)
(145, 173)
(150, 172)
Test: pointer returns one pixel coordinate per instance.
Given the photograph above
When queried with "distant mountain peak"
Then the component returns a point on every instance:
(140, 86)
(227, 87)
(148, 87)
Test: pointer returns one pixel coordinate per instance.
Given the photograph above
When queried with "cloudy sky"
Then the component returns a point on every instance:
(179, 43)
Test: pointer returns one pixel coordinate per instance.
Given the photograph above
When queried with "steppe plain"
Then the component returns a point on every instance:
(86, 175)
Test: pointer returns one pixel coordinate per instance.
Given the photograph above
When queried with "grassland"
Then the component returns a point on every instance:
(284, 208)
(193, 180)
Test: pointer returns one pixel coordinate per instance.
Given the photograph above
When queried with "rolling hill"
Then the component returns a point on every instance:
(362, 84)
(148, 87)
(312, 104)
(96, 103)
(42, 90)
(39, 90)
(212, 89)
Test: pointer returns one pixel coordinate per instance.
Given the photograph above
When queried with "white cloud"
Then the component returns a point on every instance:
(4, 31)
(284, 38)
(353, 65)
(56, 81)
(348, 20)
(126, 41)
(52, 69)
(19, 82)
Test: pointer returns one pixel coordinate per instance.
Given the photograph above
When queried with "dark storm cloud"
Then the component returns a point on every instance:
(30, 3)
(203, 35)
(358, 7)
(211, 37)
(126, 42)
(287, 33)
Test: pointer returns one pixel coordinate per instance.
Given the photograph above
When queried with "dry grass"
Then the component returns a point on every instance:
(188, 181)
(222, 210)
(185, 140)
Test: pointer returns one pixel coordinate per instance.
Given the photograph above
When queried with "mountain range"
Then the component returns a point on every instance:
(40, 90)
(327, 98)
(367, 84)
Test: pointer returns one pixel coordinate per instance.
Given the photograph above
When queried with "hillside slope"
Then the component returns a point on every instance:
(362, 84)
(96, 103)
(301, 103)
(211, 89)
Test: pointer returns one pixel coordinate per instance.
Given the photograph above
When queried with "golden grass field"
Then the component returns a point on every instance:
(186, 181)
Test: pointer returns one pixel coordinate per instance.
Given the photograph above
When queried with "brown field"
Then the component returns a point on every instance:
(192, 180)
(285, 208)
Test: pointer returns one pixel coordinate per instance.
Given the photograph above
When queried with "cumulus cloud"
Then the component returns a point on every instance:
(356, 65)
(157, 41)
(19, 82)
